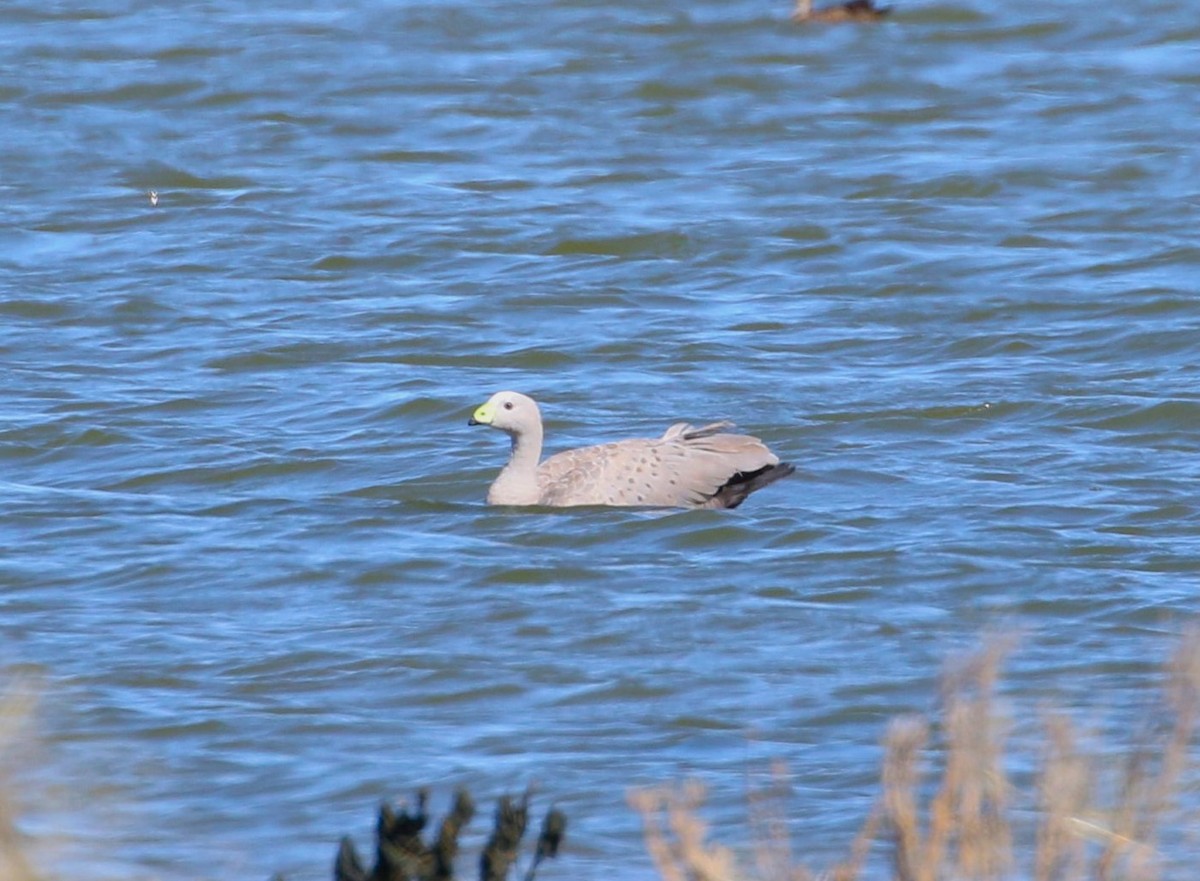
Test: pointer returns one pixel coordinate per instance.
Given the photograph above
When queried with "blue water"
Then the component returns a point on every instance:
(947, 265)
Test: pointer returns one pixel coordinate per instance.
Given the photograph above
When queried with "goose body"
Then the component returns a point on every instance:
(687, 467)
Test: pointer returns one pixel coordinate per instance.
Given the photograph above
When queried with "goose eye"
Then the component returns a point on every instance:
(508, 405)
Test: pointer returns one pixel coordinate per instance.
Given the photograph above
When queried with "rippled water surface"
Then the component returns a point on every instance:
(948, 265)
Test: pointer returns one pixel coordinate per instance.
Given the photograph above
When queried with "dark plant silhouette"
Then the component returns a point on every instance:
(402, 855)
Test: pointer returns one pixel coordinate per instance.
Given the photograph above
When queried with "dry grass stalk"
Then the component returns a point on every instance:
(1152, 773)
(773, 852)
(680, 849)
(768, 820)
(964, 830)
(1064, 788)
(968, 833)
(905, 739)
(16, 710)
(969, 816)
(851, 868)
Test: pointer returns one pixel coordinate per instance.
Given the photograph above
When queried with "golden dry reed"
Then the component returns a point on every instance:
(1091, 813)
(16, 709)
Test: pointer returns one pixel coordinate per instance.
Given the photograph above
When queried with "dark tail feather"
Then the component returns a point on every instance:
(735, 491)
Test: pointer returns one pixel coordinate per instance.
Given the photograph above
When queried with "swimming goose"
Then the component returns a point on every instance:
(685, 468)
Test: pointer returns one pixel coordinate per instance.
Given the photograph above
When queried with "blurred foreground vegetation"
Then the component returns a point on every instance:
(947, 807)
(1097, 811)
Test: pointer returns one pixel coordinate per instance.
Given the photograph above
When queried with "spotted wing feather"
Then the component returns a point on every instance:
(686, 467)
